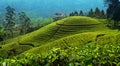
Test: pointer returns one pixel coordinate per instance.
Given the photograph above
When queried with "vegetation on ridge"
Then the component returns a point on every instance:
(50, 33)
(80, 39)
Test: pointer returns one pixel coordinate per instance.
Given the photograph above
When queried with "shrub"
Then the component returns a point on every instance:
(88, 55)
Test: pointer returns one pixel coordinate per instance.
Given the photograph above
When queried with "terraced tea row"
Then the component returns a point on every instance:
(52, 32)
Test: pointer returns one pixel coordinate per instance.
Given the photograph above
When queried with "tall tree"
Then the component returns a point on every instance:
(76, 13)
(102, 14)
(71, 14)
(81, 13)
(10, 19)
(113, 10)
(25, 23)
(97, 12)
(116, 14)
(91, 13)
(112, 4)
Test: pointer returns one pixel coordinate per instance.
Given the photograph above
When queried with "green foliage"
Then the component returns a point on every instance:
(41, 22)
(97, 13)
(10, 19)
(45, 22)
(50, 33)
(25, 23)
(4, 35)
(99, 37)
(91, 13)
(102, 14)
(113, 11)
(81, 13)
(111, 24)
(87, 55)
(93, 48)
(75, 13)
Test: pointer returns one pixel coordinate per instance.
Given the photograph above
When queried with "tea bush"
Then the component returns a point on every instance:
(88, 55)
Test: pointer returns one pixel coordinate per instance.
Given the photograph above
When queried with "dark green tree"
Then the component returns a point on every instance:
(76, 13)
(102, 14)
(10, 19)
(71, 14)
(97, 12)
(25, 23)
(116, 16)
(113, 11)
(91, 13)
(81, 13)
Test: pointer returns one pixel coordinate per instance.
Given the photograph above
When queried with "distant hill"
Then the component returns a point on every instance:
(46, 8)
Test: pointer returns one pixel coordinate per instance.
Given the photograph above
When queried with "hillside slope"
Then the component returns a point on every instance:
(111, 37)
(57, 30)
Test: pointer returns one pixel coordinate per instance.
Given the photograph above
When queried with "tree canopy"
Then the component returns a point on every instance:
(113, 10)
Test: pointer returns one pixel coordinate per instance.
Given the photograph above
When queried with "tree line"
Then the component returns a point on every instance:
(97, 13)
(112, 13)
